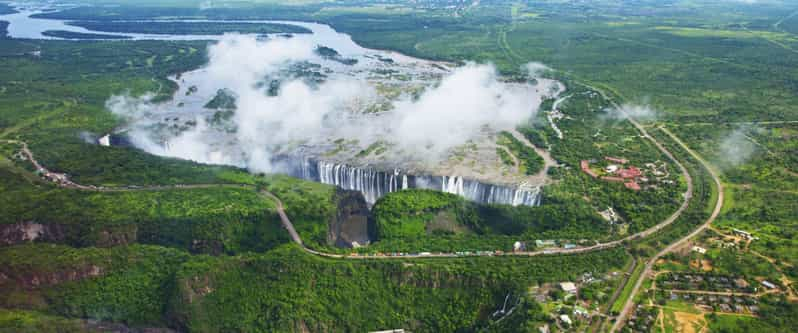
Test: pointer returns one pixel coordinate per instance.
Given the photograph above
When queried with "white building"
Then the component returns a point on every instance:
(699, 249)
(105, 141)
(566, 319)
(568, 287)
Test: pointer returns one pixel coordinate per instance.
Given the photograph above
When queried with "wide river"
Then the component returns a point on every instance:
(373, 183)
(23, 26)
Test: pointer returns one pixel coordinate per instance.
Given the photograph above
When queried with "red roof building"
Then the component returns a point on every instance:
(612, 179)
(616, 160)
(630, 172)
(585, 165)
(632, 186)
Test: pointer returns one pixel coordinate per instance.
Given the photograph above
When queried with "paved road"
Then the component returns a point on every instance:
(284, 219)
(628, 307)
(63, 181)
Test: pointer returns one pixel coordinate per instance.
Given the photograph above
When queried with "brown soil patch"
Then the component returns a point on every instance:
(706, 265)
(446, 221)
(688, 322)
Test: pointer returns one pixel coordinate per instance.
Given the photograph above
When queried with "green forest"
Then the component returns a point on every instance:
(166, 243)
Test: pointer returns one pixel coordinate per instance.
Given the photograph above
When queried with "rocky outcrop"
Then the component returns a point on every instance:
(352, 225)
(117, 235)
(35, 279)
(27, 232)
(24, 232)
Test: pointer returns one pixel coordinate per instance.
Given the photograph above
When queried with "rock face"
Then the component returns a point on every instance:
(26, 232)
(29, 280)
(352, 224)
(23, 232)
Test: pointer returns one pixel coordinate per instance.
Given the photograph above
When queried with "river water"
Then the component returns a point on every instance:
(372, 182)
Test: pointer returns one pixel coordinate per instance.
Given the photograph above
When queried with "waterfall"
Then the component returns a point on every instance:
(374, 184)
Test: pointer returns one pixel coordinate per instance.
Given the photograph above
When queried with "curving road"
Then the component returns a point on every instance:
(63, 181)
(627, 308)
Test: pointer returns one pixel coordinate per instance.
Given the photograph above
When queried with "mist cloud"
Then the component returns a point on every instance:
(536, 69)
(465, 103)
(633, 111)
(736, 148)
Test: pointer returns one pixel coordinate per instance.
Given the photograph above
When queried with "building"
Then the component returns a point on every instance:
(568, 287)
(545, 243)
(612, 168)
(519, 246)
(585, 166)
(609, 214)
(744, 234)
(613, 179)
(630, 172)
(616, 160)
(566, 319)
(741, 283)
(632, 186)
(768, 285)
(699, 249)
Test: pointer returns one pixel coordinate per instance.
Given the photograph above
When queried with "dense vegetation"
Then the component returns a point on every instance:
(6, 9)
(717, 62)
(720, 60)
(757, 165)
(282, 290)
(79, 35)
(3, 29)
(777, 315)
(705, 194)
(531, 162)
(422, 220)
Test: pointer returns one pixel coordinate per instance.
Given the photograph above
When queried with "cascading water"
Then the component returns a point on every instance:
(375, 184)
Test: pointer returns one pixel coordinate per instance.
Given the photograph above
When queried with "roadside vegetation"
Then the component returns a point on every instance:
(217, 259)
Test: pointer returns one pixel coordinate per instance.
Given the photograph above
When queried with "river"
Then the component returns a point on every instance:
(373, 181)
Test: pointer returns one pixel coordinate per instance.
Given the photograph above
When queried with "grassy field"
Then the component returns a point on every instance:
(757, 165)
(617, 306)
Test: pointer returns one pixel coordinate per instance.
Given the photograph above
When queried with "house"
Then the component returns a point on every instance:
(612, 168)
(568, 287)
(580, 311)
(768, 285)
(741, 283)
(585, 166)
(632, 186)
(630, 173)
(612, 179)
(566, 319)
(744, 234)
(699, 249)
(545, 243)
(609, 214)
(616, 160)
(569, 246)
(519, 246)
